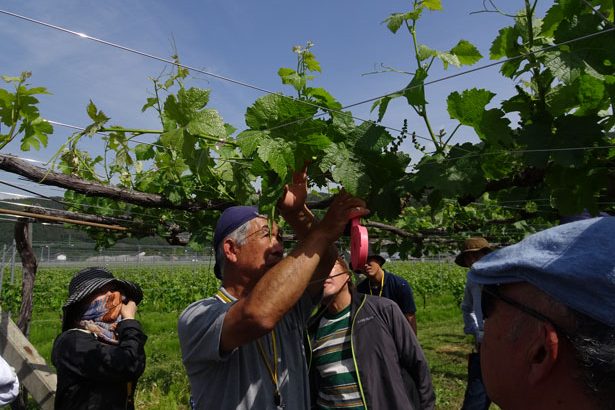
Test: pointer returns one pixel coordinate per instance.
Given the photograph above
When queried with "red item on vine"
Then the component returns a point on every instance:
(358, 244)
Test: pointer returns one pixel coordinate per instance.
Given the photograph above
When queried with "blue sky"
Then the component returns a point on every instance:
(246, 40)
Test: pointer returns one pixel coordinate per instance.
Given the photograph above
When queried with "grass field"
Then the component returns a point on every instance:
(164, 385)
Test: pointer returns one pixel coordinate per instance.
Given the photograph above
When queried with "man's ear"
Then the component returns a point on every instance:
(230, 250)
(543, 353)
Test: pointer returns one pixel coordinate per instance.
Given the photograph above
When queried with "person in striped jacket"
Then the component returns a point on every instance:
(364, 352)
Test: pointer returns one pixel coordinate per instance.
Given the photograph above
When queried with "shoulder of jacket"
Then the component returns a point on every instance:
(74, 333)
(378, 302)
(397, 278)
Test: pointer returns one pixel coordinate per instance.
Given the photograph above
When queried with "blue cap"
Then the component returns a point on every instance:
(573, 263)
(579, 217)
(231, 219)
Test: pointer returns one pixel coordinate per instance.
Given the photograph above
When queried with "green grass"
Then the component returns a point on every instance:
(168, 291)
(440, 331)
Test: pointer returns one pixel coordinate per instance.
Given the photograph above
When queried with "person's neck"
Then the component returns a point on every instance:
(562, 391)
(340, 301)
(376, 280)
(239, 286)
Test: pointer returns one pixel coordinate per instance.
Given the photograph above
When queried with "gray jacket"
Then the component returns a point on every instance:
(393, 372)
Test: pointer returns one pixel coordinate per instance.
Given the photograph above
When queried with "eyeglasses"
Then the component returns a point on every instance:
(491, 293)
(265, 232)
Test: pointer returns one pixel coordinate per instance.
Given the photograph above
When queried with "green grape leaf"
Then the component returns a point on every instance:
(186, 106)
(469, 106)
(324, 98)
(317, 141)
(591, 93)
(242, 188)
(35, 133)
(143, 152)
(505, 44)
(574, 131)
(383, 104)
(173, 139)
(278, 154)
(207, 123)
(346, 170)
(466, 53)
(271, 192)
(273, 109)
(494, 127)
(432, 4)
(510, 68)
(574, 189)
(535, 137)
(425, 52)
(415, 91)
(372, 137)
(551, 21)
(395, 20)
(448, 58)
(291, 77)
(310, 62)
(95, 115)
(249, 141)
(150, 102)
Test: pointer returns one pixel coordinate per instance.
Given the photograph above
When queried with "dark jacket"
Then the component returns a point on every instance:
(392, 369)
(96, 375)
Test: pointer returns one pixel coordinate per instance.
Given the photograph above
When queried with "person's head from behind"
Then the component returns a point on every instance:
(246, 243)
(472, 251)
(550, 318)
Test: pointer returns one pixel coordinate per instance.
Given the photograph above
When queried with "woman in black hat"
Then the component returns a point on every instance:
(99, 355)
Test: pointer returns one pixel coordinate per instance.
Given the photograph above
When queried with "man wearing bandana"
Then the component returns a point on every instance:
(99, 355)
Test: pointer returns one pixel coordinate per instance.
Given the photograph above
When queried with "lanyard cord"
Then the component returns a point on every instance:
(381, 285)
(271, 369)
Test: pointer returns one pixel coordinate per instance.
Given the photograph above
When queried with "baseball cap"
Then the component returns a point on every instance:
(231, 219)
(574, 263)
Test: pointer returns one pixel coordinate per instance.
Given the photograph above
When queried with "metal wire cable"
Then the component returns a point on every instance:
(472, 70)
(174, 63)
(31, 192)
(228, 79)
(518, 151)
(598, 13)
(461, 73)
(69, 203)
(521, 151)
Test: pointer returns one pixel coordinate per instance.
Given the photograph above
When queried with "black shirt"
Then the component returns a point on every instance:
(97, 375)
(395, 288)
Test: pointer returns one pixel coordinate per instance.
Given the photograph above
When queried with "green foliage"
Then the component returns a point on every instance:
(430, 280)
(19, 112)
(545, 149)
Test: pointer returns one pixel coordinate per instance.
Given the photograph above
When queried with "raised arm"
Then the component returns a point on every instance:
(282, 285)
(295, 212)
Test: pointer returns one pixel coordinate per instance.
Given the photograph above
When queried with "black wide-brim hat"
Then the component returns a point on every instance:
(88, 281)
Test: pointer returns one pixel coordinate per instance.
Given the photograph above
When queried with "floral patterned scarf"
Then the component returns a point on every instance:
(102, 317)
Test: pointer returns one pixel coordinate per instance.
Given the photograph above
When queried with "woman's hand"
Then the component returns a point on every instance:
(129, 309)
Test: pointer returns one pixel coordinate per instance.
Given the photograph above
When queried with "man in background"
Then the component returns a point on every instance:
(475, 397)
(364, 354)
(549, 310)
(386, 284)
